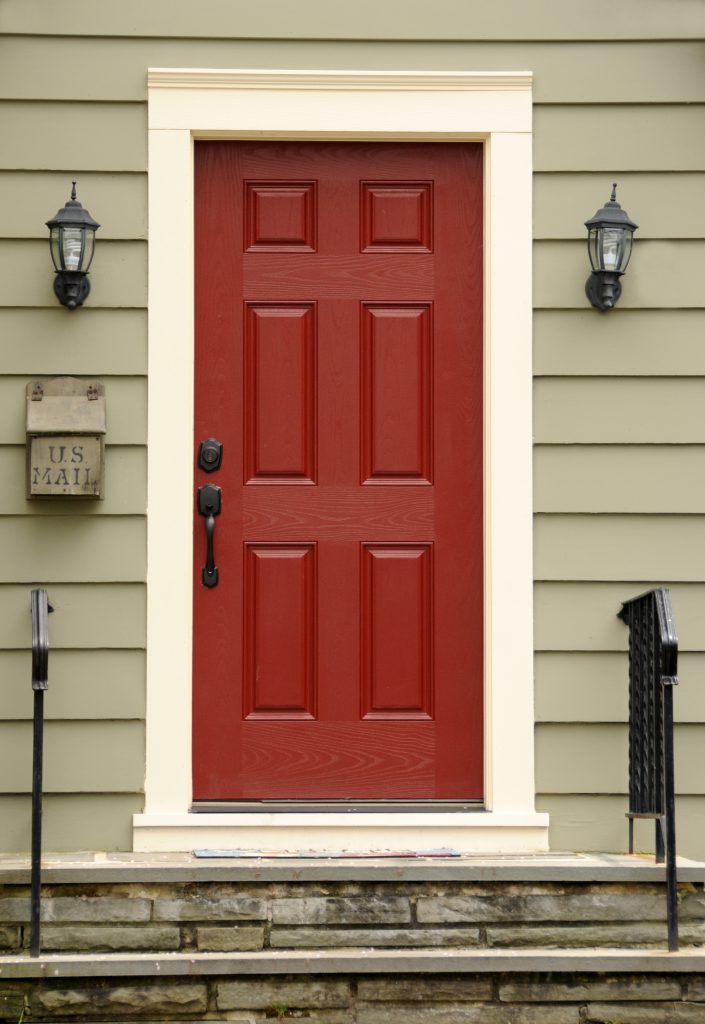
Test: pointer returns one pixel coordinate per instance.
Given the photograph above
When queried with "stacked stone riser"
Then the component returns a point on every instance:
(256, 930)
(449, 999)
(221, 917)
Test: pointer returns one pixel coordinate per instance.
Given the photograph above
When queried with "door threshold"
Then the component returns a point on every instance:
(333, 806)
(463, 826)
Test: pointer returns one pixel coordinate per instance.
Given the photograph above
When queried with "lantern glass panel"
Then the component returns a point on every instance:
(55, 247)
(72, 248)
(612, 248)
(88, 247)
(627, 250)
(593, 250)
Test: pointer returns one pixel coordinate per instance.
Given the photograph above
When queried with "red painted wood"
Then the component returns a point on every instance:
(280, 215)
(397, 394)
(280, 631)
(279, 399)
(397, 631)
(395, 217)
(339, 359)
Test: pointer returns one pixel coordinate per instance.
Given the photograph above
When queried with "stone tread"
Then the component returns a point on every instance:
(470, 961)
(184, 867)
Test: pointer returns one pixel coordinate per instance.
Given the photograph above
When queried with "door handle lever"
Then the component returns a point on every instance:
(209, 505)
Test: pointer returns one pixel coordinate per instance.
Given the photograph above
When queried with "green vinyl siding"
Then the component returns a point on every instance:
(612, 410)
(578, 686)
(598, 758)
(670, 275)
(597, 822)
(558, 196)
(619, 425)
(105, 757)
(103, 137)
(113, 69)
(81, 821)
(650, 137)
(121, 199)
(619, 478)
(93, 684)
(582, 616)
(629, 343)
(87, 616)
(367, 19)
(73, 549)
(119, 277)
(625, 547)
(48, 342)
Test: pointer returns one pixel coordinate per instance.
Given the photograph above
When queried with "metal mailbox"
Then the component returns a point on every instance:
(65, 438)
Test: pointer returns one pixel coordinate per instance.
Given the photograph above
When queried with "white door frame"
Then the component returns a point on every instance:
(492, 107)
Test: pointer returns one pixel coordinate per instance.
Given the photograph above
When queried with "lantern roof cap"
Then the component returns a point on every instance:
(73, 214)
(611, 215)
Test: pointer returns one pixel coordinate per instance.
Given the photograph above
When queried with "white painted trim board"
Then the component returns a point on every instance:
(495, 108)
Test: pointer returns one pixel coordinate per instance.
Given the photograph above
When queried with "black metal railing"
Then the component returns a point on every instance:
(653, 672)
(40, 683)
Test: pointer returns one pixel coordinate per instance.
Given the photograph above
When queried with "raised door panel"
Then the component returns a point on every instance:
(280, 393)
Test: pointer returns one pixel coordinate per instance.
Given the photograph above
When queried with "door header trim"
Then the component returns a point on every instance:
(397, 81)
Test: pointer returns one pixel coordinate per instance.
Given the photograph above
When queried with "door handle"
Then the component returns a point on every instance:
(209, 504)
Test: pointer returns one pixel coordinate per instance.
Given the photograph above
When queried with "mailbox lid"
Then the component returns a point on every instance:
(66, 405)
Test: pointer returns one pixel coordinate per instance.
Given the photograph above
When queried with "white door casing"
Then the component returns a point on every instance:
(492, 107)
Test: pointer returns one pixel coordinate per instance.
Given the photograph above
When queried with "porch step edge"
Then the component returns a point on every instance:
(184, 867)
(359, 961)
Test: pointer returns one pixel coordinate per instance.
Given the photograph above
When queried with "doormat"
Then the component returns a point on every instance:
(327, 854)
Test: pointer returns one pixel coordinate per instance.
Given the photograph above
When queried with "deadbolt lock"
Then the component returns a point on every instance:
(210, 455)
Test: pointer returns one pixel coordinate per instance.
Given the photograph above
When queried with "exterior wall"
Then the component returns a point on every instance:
(618, 426)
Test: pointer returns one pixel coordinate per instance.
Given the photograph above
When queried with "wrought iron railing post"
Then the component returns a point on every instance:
(40, 683)
(653, 672)
(668, 772)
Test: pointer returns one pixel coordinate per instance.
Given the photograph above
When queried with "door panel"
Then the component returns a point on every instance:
(339, 360)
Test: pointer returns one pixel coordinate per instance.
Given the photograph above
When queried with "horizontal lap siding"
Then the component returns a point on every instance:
(597, 822)
(77, 821)
(630, 343)
(90, 556)
(105, 69)
(367, 19)
(619, 399)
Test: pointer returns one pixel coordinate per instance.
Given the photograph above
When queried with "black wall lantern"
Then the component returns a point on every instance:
(71, 241)
(610, 234)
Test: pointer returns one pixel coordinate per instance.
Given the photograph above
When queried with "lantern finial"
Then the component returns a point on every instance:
(73, 190)
(613, 197)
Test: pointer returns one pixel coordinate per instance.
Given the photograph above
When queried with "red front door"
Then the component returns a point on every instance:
(339, 361)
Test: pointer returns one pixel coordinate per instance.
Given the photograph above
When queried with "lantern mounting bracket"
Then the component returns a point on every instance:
(71, 288)
(603, 289)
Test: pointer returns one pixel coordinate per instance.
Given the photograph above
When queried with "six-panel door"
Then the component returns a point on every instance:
(339, 360)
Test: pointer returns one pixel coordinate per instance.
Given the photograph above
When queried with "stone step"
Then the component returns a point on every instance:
(164, 905)
(356, 961)
(108, 868)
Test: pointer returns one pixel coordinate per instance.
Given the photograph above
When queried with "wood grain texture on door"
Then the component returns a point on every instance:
(338, 358)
